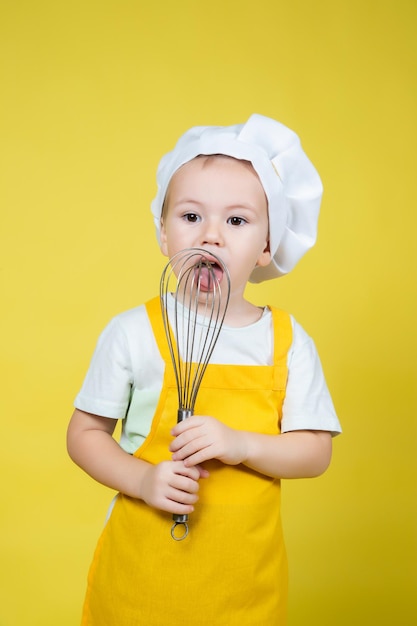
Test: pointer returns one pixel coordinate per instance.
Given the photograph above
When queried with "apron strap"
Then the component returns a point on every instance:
(153, 308)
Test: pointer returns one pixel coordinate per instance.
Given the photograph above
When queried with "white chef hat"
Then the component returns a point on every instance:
(291, 183)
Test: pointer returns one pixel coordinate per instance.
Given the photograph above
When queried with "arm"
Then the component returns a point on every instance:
(169, 486)
(297, 454)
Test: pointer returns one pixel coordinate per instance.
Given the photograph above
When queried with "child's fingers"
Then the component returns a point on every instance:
(203, 472)
(191, 422)
(193, 473)
(184, 483)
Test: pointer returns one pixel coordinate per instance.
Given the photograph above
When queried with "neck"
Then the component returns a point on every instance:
(243, 313)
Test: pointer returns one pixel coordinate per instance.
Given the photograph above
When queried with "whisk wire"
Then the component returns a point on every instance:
(197, 317)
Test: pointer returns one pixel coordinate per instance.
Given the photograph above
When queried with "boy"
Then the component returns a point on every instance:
(249, 195)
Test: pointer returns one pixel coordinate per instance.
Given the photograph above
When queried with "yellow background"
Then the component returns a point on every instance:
(92, 94)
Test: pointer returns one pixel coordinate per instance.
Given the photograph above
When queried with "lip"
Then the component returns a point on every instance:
(213, 260)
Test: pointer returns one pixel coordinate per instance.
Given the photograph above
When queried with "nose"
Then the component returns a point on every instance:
(212, 233)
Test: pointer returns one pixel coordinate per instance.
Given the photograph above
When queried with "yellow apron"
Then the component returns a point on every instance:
(231, 569)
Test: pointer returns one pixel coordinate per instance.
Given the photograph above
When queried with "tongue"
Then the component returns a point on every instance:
(207, 275)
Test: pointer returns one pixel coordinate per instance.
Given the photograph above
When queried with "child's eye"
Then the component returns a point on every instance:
(191, 217)
(236, 221)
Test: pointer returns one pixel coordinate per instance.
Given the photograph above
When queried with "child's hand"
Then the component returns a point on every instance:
(200, 438)
(171, 486)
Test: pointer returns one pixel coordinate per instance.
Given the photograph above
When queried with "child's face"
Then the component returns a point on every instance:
(218, 203)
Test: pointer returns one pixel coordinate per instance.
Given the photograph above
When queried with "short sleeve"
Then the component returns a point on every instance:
(308, 404)
(106, 389)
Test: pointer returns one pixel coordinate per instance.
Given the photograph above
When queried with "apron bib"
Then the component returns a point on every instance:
(231, 569)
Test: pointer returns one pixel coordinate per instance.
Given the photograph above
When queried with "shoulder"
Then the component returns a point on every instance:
(126, 328)
(303, 349)
(299, 336)
(130, 319)
(301, 345)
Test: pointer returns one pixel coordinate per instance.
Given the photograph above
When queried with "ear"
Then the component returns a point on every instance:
(163, 239)
(264, 258)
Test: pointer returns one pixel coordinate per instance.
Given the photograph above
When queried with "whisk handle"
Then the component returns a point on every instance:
(181, 520)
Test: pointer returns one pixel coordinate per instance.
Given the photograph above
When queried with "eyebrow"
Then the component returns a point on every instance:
(231, 207)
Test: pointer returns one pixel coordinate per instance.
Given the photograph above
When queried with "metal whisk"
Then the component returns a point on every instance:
(194, 291)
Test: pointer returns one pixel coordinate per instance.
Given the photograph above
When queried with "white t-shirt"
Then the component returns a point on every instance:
(125, 376)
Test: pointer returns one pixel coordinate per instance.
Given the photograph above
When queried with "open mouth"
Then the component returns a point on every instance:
(208, 274)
